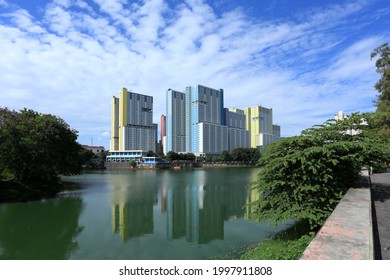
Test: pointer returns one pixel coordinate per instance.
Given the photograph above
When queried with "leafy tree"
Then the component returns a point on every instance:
(188, 156)
(253, 155)
(382, 119)
(383, 68)
(246, 155)
(133, 163)
(36, 148)
(86, 155)
(226, 156)
(304, 177)
(103, 155)
(150, 153)
(173, 156)
(176, 156)
(160, 154)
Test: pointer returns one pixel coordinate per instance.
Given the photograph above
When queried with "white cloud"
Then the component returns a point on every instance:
(72, 61)
(353, 61)
(60, 21)
(111, 6)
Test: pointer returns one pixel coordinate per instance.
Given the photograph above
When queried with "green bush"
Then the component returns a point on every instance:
(304, 177)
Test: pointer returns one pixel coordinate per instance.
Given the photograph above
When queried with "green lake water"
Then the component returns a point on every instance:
(142, 214)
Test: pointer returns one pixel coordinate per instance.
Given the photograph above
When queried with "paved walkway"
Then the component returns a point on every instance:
(346, 234)
(381, 211)
(349, 232)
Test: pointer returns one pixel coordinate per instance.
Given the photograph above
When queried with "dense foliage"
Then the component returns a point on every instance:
(133, 163)
(176, 156)
(36, 148)
(383, 68)
(383, 88)
(304, 177)
(246, 156)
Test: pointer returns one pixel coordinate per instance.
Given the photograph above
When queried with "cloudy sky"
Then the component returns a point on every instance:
(306, 59)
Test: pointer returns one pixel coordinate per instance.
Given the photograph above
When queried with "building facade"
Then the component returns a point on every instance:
(132, 125)
(114, 142)
(195, 122)
(94, 149)
(276, 130)
(259, 124)
(238, 135)
(175, 121)
(208, 128)
(212, 139)
(204, 116)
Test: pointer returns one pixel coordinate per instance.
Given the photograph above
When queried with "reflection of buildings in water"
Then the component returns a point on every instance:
(132, 211)
(201, 196)
(163, 180)
(163, 199)
(176, 212)
(199, 212)
(234, 201)
(253, 195)
(132, 219)
(196, 212)
(205, 215)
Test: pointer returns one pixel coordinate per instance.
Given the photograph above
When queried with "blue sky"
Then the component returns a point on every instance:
(305, 59)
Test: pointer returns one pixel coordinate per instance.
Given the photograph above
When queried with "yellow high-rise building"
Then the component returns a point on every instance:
(114, 142)
(132, 125)
(123, 119)
(259, 124)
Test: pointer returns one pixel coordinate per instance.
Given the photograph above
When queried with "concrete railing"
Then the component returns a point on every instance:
(348, 233)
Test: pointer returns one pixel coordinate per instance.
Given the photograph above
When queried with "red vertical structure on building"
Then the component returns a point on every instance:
(163, 132)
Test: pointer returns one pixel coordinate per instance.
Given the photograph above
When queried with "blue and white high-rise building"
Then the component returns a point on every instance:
(196, 121)
(205, 119)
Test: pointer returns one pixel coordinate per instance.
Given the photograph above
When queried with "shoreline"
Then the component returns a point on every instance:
(125, 166)
(12, 192)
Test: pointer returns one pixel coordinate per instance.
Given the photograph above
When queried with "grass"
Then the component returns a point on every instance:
(287, 245)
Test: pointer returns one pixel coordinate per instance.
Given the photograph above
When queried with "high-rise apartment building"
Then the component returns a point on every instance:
(132, 125)
(155, 128)
(276, 130)
(195, 121)
(238, 135)
(205, 129)
(175, 121)
(259, 124)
